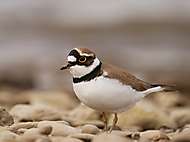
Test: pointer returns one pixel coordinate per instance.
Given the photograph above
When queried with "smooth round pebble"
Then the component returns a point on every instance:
(45, 130)
(110, 138)
(59, 129)
(25, 113)
(82, 136)
(181, 116)
(43, 139)
(128, 134)
(32, 132)
(24, 125)
(7, 136)
(21, 131)
(64, 139)
(5, 118)
(90, 129)
(33, 138)
(153, 135)
(184, 136)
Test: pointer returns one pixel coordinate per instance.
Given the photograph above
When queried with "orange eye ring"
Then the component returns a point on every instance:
(82, 59)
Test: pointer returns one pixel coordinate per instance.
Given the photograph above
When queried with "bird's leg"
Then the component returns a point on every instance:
(105, 120)
(114, 122)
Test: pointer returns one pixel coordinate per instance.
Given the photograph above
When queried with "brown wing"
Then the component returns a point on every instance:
(124, 77)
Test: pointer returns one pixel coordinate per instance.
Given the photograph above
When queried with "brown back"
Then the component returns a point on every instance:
(124, 77)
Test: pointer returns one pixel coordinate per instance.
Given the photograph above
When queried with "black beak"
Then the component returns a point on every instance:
(66, 67)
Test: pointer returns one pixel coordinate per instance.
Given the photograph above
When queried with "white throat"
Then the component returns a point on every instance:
(79, 71)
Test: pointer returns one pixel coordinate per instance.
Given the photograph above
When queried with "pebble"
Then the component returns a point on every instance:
(110, 138)
(90, 129)
(33, 138)
(33, 135)
(5, 118)
(83, 113)
(43, 139)
(153, 135)
(24, 125)
(7, 136)
(128, 134)
(45, 130)
(183, 136)
(186, 129)
(82, 136)
(146, 116)
(31, 132)
(64, 139)
(21, 131)
(181, 116)
(34, 113)
(58, 128)
(76, 123)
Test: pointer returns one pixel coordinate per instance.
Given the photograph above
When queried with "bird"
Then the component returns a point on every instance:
(105, 87)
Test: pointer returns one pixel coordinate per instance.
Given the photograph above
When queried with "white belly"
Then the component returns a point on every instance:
(106, 94)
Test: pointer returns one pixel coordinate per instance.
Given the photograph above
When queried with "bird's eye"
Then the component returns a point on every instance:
(82, 59)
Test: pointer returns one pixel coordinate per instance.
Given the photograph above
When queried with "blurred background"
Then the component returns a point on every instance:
(149, 38)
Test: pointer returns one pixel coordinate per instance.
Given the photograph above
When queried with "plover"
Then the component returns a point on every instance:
(105, 87)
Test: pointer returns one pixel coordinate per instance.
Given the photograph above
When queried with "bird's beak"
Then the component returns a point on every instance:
(66, 66)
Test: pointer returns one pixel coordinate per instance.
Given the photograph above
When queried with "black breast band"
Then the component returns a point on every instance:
(94, 73)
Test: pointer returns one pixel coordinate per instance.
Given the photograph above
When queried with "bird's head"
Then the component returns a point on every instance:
(81, 61)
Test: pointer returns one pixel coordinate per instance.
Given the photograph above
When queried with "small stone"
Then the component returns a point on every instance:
(21, 131)
(81, 114)
(184, 136)
(120, 133)
(153, 135)
(127, 134)
(181, 116)
(59, 129)
(146, 116)
(7, 136)
(24, 125)
(45, 130)
(33, 135)
(64, 139)
(5, 118)
(32, 131)
(186, 130)
(104, 137)
(90, 129)
(34, 113)
(97, 123)
(33, 138)
(43, 139)
(82, 136)
(76, 123)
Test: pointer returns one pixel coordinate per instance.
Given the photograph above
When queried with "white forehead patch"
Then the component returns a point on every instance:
(71, 59)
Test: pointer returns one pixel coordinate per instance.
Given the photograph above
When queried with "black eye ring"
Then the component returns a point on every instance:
(82, 59)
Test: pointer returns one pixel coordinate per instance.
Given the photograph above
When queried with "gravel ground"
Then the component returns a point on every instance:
(34, 116)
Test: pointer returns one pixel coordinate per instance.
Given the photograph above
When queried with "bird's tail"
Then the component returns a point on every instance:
(166, 88)
(154, 88)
